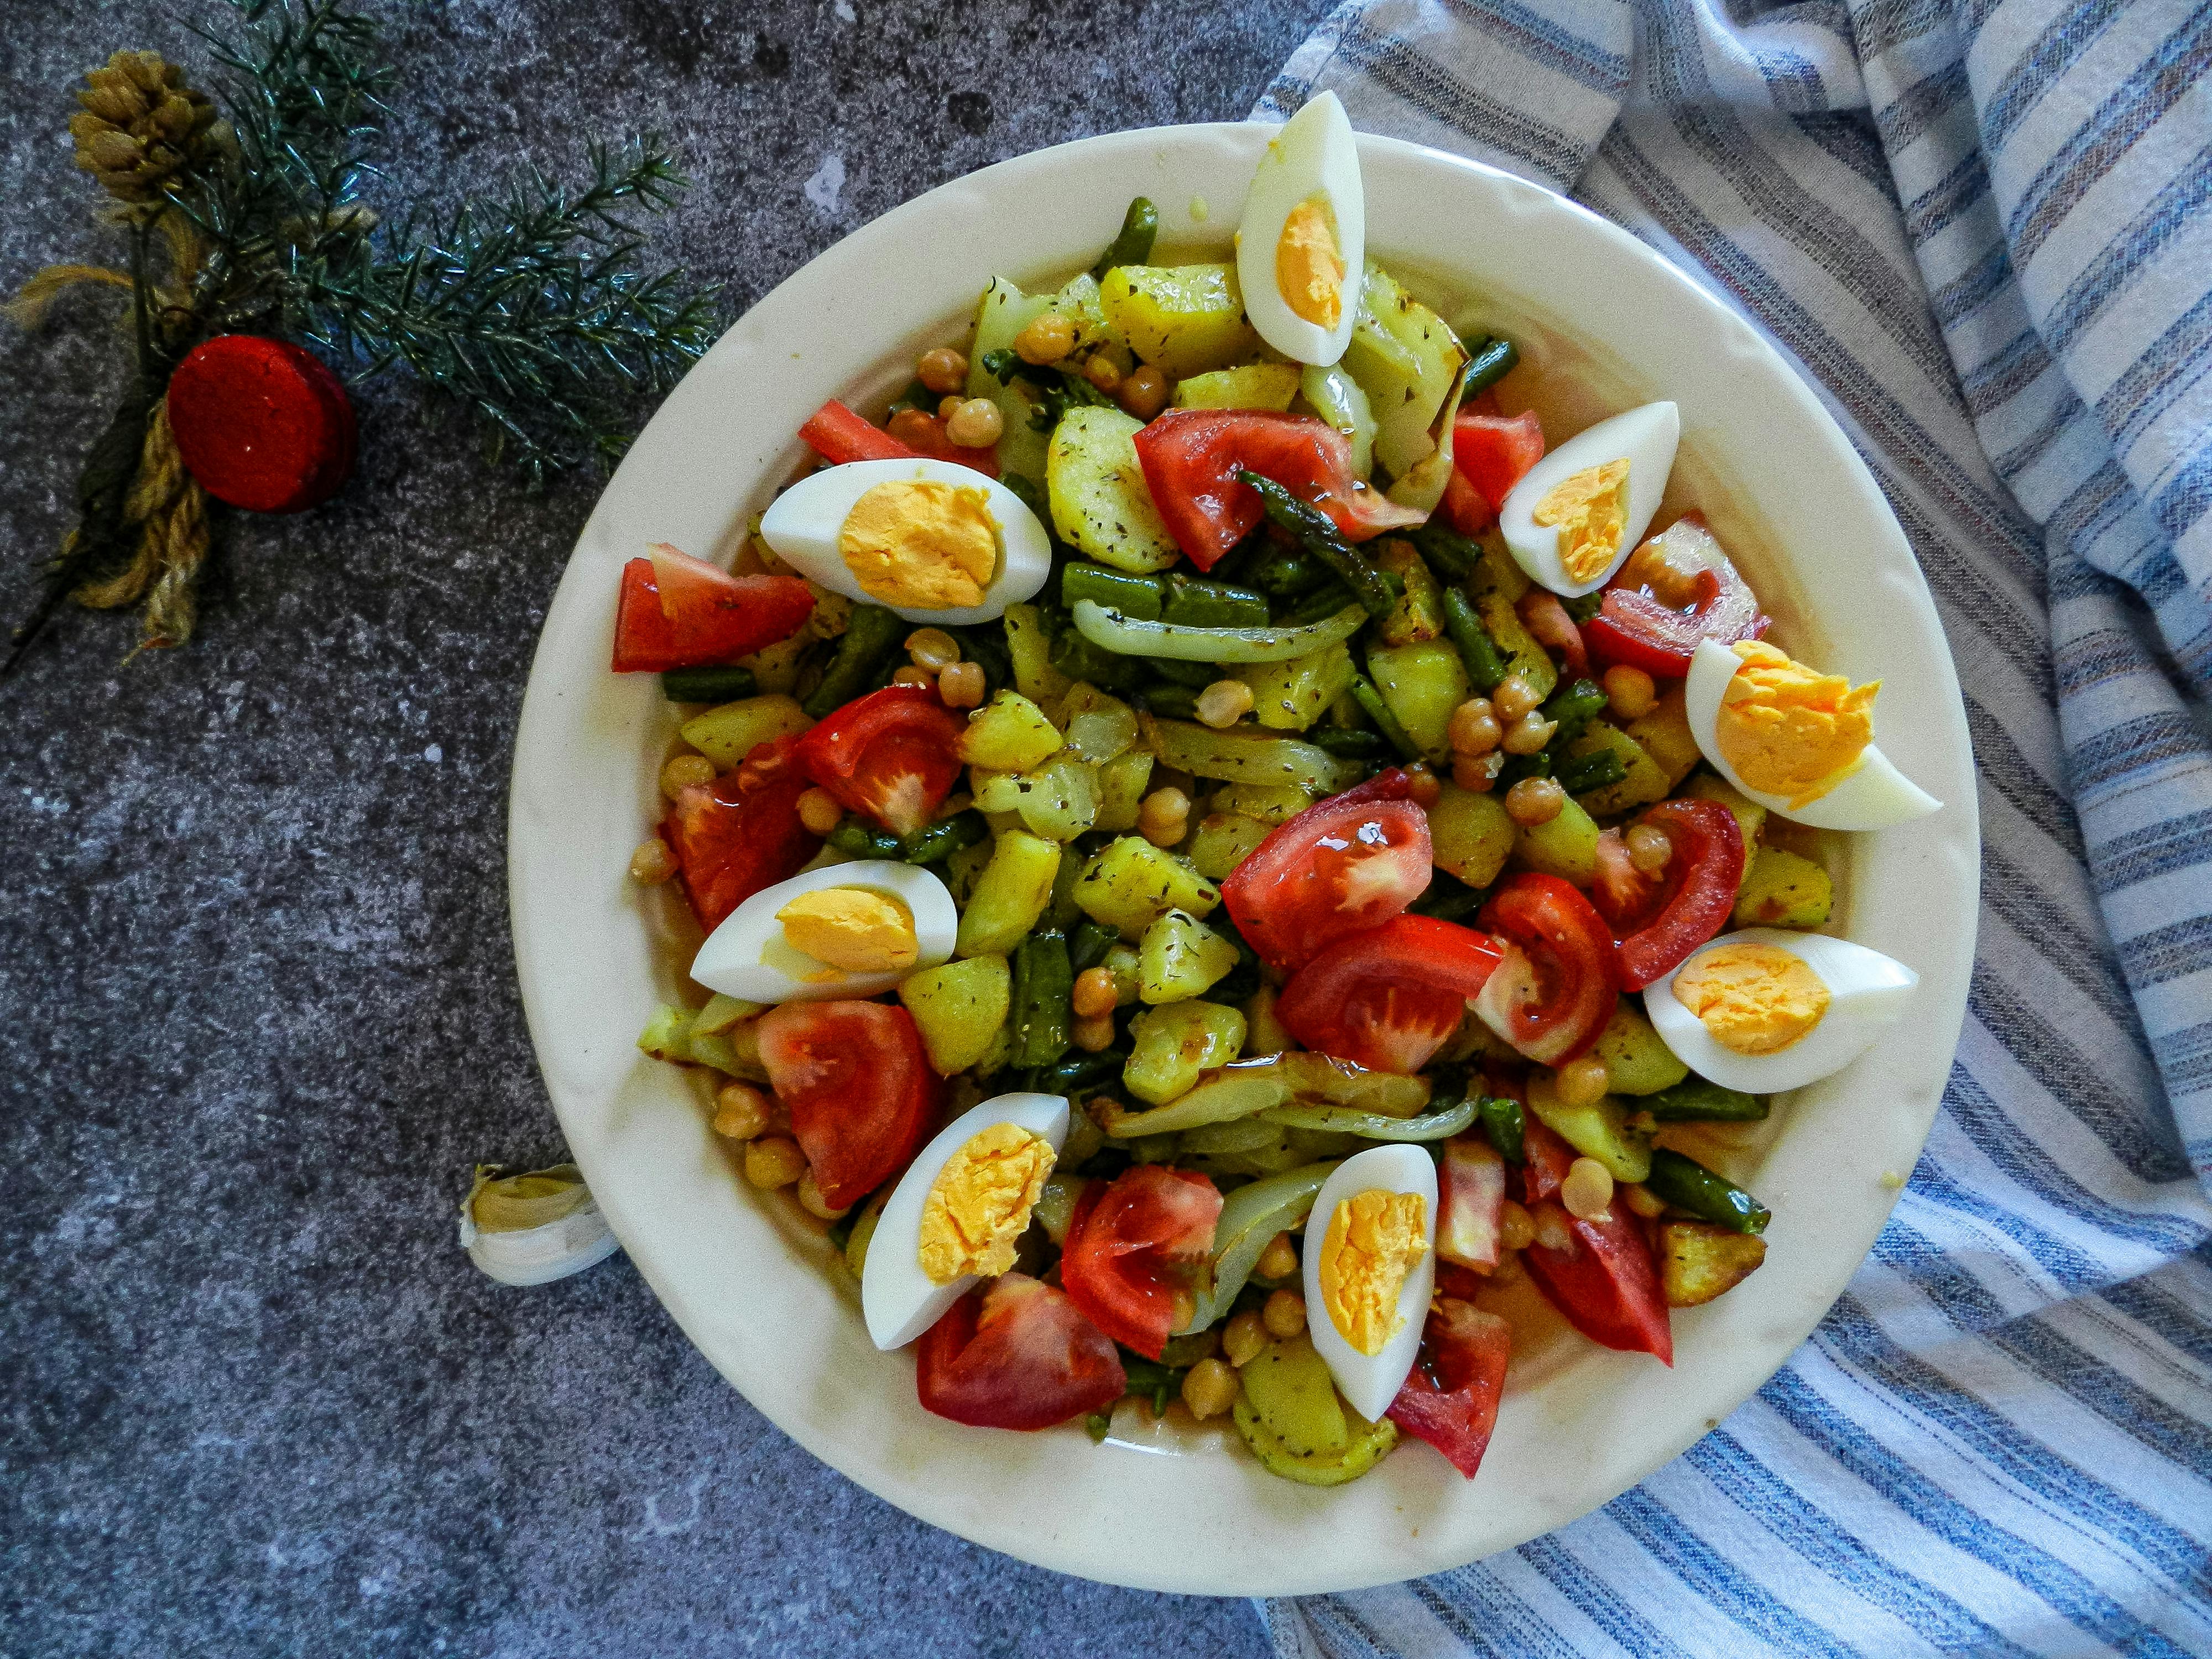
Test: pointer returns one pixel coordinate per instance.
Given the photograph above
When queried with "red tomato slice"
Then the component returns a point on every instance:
(893, 755)
(1604, 1281)
(862, 1094)
(1016, 1355)
(838, 435)
(1191, 458)
(1554, 992)
(1470, 1202)
(1464, 508)
(1390, 998)
(1545, 1157)
(1547, 620)
(1343, 864)
(675, 611)
(1450, 1397)
(1129, 1247)
(1492, 453)
(1699, 886)
(1707, 601)
(1624, 894)
(733, 837)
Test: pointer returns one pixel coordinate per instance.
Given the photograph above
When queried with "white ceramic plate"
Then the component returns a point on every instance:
(747, 1282)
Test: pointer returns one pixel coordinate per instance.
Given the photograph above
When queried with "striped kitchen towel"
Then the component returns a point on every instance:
(1980, 229)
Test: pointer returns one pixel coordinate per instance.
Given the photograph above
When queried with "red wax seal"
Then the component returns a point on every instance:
(261, 423)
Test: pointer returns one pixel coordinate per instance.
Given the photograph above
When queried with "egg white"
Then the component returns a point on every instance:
(1872, 795)
(1314, 155)
(1867, 993)
(803, 525)
(748, 956)
(1372, 1382)
(1646, 438)
(897, 1299)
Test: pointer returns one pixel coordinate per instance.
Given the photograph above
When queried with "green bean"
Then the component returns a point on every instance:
(1504, 1125)
(1486, 669)
(1491, 364)
(1695, 1100)
(1195, 675)
(1080, 660)
(862, 840)
(1044, 982)
(1234, 567)
(1287, 572)
(1325, 601)
(1132, 243)
(1197, 603)
(1517, 767)
(1119, 590)
(1449, 898)
(1079, 1071)
(708, 685)
(984, 644)
(1151, 1381)
(1088, 946)
(1573, 705)
(1318, 534)
(1450, 552)
(1370, 701)
(943, 839)
(1583, 774)
(1349, 741)
(1686, 1184)
(868, 641)
(1174, 703)
(1584, 606)
(1031, 496)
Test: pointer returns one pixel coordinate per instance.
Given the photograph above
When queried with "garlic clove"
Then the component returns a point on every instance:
(534, 1228)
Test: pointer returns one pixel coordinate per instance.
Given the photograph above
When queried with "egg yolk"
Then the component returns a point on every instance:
(923, 544)
(1373, 1241)
(1788, 731)
(1591, 509)
(851, 929)
(1309, 269)
(1753, 998)
(980, 1203)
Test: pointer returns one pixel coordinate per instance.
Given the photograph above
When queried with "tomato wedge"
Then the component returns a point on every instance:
(1464, 509)
(1470, 1202)
(1016, 1355)
(1547, 621)
(1450, 1397)
(1344, 864)
(1545, 1157)
(1697, 891)
(1191, 458)
(1492, 453)
(1130, 1246)
(838, 435)
(675, 611)
(1390, 998)
(862, 1094)
(733, 837)
(1603, 1281)
(1554, 992)
(893, 755)
(1704, 600)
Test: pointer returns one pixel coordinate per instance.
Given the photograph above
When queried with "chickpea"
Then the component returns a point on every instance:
(911, 675)
(1528, 734)
(1474, 729)
(916, 427)
(948, 405)
(1047, 340)
(812, 1201)
(684, 772)
(1104, 373)
(820, 812)
(961, 686)
(1644, 1202)
(1093, 1032)
(1650, 848)
(1164, 817)
(1424, 786)
(1513, 698)
(1629, 692)
(1242, 1338)
(1476, 776)
(942, 369)
(1285, 1314)
(741, 1112)
(1534, 800)
(977, 423)
(1209, 1388)
(1223, 704)
(1588, 1189)
(774, 1161)
(1094, 993)
(1582, 1081)
(652, 863)
(1144, 393)
(1279, 1260)
(1516, 1228)
(933, 648)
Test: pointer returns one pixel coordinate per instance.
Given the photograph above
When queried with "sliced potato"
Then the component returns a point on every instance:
(1248, 385)
(1183, 319)
(1782, 889)
(1096, 489)
(1698, 1260)
(958, 1009)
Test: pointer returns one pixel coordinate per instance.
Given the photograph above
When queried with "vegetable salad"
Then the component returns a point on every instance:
(1230, 861)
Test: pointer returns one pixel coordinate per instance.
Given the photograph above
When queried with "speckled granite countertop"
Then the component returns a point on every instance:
(257, 1006)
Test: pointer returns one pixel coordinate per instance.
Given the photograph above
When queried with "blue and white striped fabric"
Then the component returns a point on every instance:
(1981, 228)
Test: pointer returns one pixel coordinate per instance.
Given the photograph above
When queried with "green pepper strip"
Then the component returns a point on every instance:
(1491, 365)
(1370, 701)
(1250, 1217)
(1043, 983)
(1434, 1125)
(1689, 1185)
(1486, 668)
(862, 840)
(1132, 243)
(1504, 1124)
(708, 685)
(1318, 534)
(1119, 590)
(871, 635)
(1194, 603)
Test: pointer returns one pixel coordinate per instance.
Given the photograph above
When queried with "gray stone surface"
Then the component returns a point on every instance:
(257, 1008)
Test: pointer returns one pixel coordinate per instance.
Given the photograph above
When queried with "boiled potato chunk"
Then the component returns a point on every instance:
(1782, 889)
(1132, 883)
(1472, 835)
(1666, 736)
(1422, 681)
(1031, 647)
(1598, 1130)
(1222, 842)
(1289, 1387)
(1121, 784)
(1180, 958)
(1172, 1044)
(1288, 696)
(1636, 1060)
(1098, 493)
(958, 1008)
(1009, 896)
(1566, 847)
(1248, 385)
(1182, 319)
(1698, 1260)
(1011, 735)
(1641, 782)
(725, 735)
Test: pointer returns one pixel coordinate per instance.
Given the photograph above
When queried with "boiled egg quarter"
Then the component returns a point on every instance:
(1796, 742)
(1370, 1263)
(933, 540)
(1576, 514)
(962, 1201)
(843, 931)
(1766, 1010)
(1301, 245)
